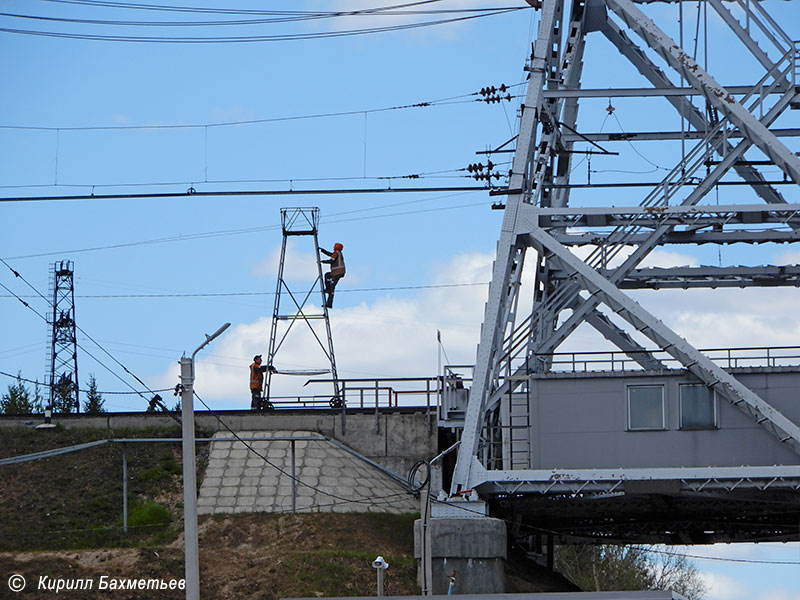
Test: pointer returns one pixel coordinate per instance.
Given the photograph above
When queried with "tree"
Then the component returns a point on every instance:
(93, 405)
(38, 401)
(617, 568)
(673, 571)
(17, 401)
(64, 395)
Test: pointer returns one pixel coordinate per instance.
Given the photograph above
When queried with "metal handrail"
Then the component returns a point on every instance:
(764, 356)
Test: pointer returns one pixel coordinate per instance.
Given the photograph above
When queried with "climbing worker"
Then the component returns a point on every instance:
(257, 383)
(332, 277)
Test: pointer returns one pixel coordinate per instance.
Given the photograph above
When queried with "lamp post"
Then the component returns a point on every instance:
(189, 470)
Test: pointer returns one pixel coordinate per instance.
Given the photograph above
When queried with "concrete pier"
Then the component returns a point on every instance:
(472, 550)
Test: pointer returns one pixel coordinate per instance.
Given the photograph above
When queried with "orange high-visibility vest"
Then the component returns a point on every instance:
(256, 377)
(337, 266)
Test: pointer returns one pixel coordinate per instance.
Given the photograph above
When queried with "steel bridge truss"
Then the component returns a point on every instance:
(516, 342)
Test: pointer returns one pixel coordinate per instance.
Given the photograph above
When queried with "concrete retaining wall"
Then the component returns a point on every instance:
(395, 439)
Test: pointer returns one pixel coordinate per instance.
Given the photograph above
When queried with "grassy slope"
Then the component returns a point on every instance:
(75, 500)
(250, 557)
(62, 517)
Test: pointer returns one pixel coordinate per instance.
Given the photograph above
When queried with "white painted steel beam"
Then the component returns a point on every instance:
(713, 91)
(704, 236)
(651, 136)
(650, 92)
(508, 252)
(560, 481)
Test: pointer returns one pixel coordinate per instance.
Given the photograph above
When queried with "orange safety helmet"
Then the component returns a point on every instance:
(338, 247)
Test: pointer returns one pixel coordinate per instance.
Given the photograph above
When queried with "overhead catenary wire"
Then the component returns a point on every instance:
(457, 99)
(250, 230)
(269, 17)
(45, 385)
(244, 193)
(256, 38)
(229, 10)
(237, 294)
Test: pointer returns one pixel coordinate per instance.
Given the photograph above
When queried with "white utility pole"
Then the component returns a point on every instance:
(189, 471)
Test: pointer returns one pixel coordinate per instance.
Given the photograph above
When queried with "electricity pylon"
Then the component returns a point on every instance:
(63, 367)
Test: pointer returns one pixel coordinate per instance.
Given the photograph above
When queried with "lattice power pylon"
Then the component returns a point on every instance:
(63, 371)
(301, 224)
(729, 131)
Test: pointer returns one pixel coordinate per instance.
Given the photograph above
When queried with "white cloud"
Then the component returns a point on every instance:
(778, 594)
(721, 587)
(656, 258)
(727, 317)
(394, 335)
(789, 257)
(299, 262)
(232, 114)
(724, 587)
(396, 18)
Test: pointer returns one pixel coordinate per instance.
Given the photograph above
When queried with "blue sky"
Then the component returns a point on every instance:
(108, 117)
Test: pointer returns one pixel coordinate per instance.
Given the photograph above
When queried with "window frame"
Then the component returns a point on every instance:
(714, 405)
(662, 387)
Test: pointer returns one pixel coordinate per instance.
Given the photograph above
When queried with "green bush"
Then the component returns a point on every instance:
(148, 513)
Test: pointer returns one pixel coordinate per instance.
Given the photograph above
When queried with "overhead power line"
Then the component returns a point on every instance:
(458, 99)
(258, 38)
(191, 192)
(45, 385)
(236, 294)
(250, 230)
(229, 11)
(396, 11)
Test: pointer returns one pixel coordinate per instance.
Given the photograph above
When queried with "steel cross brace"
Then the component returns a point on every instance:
(695, 361)
(713, 91)
(684, 107)
(579, 314)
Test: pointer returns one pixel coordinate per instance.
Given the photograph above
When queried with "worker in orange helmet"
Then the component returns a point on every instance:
(332, 277)
(257, 384)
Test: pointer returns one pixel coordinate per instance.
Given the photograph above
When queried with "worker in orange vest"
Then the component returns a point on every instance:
(337, 271)
(257, 383)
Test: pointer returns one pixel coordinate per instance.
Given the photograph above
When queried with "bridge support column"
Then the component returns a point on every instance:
(470, 550)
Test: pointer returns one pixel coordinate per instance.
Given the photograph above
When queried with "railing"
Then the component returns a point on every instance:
(731, 358)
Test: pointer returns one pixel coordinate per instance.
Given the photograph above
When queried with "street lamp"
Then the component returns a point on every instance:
(189, 470)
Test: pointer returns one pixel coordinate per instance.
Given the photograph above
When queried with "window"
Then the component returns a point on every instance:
(698, 409)
(645, 407)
